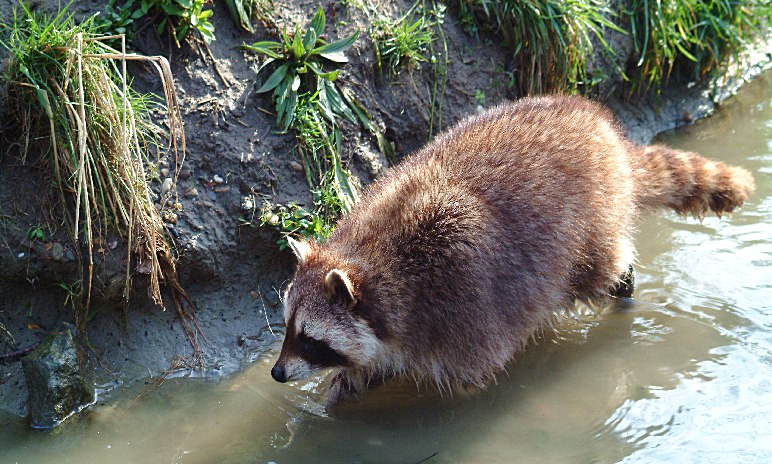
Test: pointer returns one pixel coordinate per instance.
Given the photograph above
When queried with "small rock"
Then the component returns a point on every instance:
(212, 196)
(248, 203)
(192, 192)
(217, 179)
(69, 255)
(253, 294)
(272, 297)
(177, 205)
(167, 185)
(185, 173)
(57, 251)
(273, 220)
(60, 378)
(164, 172)
(295, 166)
(222, 189)
(169, 217)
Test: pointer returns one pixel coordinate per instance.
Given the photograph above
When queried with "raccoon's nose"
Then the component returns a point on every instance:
(279, 374)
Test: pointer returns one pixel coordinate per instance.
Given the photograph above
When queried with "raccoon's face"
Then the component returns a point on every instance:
(323, 330)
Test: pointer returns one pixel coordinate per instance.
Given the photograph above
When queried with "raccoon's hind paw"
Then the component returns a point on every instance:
(624, 288)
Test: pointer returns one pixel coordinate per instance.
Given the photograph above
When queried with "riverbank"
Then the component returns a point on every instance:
(233, 269)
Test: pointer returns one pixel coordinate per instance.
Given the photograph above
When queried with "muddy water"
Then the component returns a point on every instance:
(682, 374)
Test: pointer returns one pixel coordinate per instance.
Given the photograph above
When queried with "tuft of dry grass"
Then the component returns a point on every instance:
(70, 90)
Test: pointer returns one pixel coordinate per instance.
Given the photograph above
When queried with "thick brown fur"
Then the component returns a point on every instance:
(457, 256)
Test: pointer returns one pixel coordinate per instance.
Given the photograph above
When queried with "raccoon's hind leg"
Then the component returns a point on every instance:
(624, 288)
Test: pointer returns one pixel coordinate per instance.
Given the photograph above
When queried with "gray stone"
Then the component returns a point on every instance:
(272, 297)
(60, 378)
(57, 251)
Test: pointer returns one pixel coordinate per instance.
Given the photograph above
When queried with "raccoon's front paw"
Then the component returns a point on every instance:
(341, 388)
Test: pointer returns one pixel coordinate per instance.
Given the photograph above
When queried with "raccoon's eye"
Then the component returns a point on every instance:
(319, 353)
(310, 345)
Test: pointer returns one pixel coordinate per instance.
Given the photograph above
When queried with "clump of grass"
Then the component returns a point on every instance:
(409, 41)
(70, 90)
(404, 42)
(699, 37)
(551, 40)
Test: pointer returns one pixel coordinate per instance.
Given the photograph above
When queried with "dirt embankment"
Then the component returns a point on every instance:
(232, 269)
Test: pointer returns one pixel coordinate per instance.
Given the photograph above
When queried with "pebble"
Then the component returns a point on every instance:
(272, 297)
(177, 205)
(167, 185)
(248, 203)
(192, 192)
(185, 173)
(169, 217)
(217, 179)
(165, 172)
(212, 196)
(57, 251)
(295, 166)
(223, 189)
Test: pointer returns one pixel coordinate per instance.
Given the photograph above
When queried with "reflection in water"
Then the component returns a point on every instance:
(683, 373)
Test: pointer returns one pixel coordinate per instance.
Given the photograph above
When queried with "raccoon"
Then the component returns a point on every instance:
(455, 258)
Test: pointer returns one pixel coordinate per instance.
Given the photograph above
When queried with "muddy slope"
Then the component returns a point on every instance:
(231, 268)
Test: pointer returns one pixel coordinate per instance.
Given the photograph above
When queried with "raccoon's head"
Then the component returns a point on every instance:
(323, 315)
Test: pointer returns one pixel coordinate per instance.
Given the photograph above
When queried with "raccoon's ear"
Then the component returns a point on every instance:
(301, 249)
(338, 288)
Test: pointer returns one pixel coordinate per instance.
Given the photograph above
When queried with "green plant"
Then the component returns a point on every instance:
(479, 97)
(36, 233)
(550, 39)
(116, 19)
(180, 16)
(295, 220)
(243, 11)
(309, 102)
(403, 42)
(297, 65)
(697, 38)
(69, 90)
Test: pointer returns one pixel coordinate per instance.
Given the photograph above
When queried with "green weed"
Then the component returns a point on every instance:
(550, 39)
(404, 42)
(297, 66)
(696, 38)
(36, 233)
(309, 103)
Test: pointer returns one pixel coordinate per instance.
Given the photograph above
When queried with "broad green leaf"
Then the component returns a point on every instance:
(337, 57)
(337, 105)
(309, 39)
(275, 78)
(265, 48)
(330, 76)
(337, 46)
(297, 46)
(317, 24)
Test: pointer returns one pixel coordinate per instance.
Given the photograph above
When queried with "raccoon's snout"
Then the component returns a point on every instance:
(278, 373)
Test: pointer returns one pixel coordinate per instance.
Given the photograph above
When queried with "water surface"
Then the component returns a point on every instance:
(684, 374)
